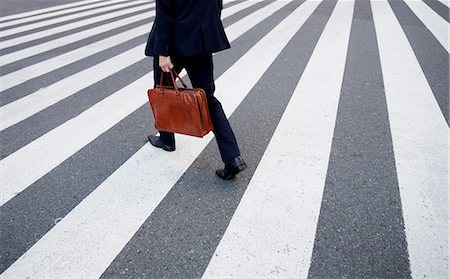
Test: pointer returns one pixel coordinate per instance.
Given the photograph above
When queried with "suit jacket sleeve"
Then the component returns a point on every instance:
(163, 26)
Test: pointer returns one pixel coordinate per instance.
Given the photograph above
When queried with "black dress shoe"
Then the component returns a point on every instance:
(156, 142)
(232, 167)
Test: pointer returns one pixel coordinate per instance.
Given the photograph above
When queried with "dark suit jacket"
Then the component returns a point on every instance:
(186, 28)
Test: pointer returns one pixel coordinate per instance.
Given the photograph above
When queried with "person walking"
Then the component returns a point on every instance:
(184, 35)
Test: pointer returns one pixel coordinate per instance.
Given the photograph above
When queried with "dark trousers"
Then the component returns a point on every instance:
(200, 71)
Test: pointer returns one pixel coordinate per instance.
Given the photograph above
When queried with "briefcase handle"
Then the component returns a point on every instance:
(173, 75)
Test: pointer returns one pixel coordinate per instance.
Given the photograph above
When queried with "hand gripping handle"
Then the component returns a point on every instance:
(173, 75)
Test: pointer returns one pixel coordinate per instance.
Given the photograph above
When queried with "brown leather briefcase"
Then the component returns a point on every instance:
(180, 110)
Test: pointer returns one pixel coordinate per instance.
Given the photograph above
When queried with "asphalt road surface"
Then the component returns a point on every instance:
(340, 108)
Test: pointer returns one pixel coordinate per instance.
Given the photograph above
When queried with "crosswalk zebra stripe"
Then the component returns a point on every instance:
(436, 24)
(91, 122)
(16, 111)
(19, 110)
(143, 257)
(114, 152)
(13, 184)
(280, 208)
(439, 8)
(237, 30)
(429, 52)
(361, 165)
(14, 137)
(54, 9)
(24, 74)
(49, 22)
(186, 226)
(445, 2)
(75, 37)
(23, 108)
(31, 261)
(419, 134)
(127, 8)
(229, 11)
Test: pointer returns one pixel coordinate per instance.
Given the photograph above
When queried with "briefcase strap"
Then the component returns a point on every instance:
(173, 75)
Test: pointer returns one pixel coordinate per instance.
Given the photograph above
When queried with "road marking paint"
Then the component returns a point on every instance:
(27, 73)
(445, 2)
(25, 107)
(273, 228)
(22, 75)
(68, 138)
(63, 41)
(66, 27)
(433, 21)
(37, 14)
(419, 135)
(132, 192)
(43, 23)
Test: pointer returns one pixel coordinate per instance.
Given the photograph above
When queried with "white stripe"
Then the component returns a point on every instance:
(22, 75)
(445, 2)
(236, 30)
(30, 155)
(41, 11)
(438, 26)
(419, 135)
(40, 48)
(272, 231)
(44, 23)
(105, 221)
(14, 178)
(25, 107)
(236, 8)
(81, 23)
(34, 15)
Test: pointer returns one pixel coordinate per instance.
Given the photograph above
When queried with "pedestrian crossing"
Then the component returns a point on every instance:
(446, 3)
(44, 13)
(84, 196)
(281, 170)
(409, 99)
(435, 23)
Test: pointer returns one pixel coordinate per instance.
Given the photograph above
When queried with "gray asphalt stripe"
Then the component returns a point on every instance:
(20, 64)
(439, 8)
(360, 232)
(433, 58)
(24, 132)
(58, 192)
(69, 32)
(17, 92)
(31, 31)
(244, 12)
(31, 128)
(31, 214)
(10, 7)
(30, 86)
(179, 238)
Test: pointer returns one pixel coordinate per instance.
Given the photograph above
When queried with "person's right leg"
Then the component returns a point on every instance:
(200, 70)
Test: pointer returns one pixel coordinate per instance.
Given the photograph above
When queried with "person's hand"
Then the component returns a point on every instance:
(165, 63)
